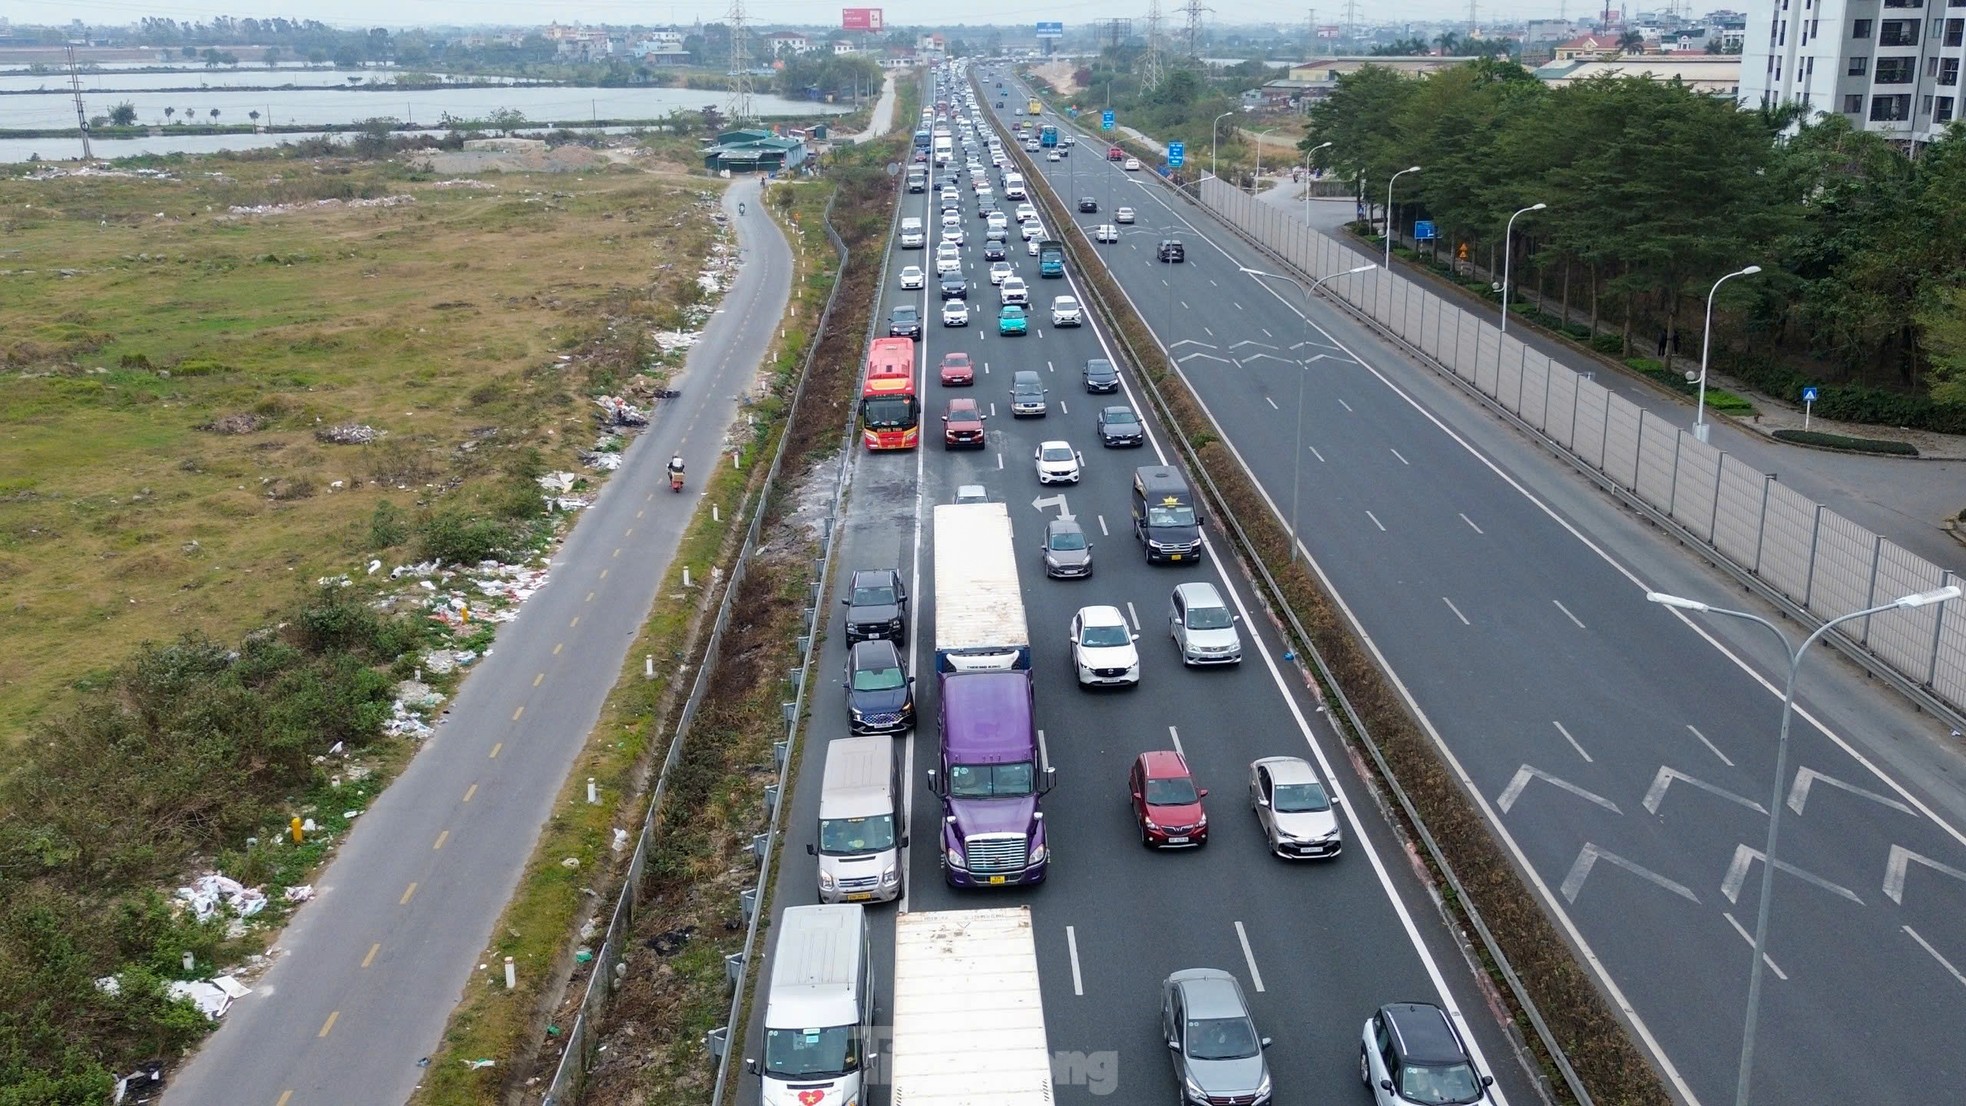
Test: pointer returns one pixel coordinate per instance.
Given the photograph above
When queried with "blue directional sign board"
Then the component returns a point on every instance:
(1106, 120)
(1809, 394)
(1423, 230)
(1177, 154)
(1051, 30)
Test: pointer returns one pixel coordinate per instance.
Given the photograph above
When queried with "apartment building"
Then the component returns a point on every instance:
(1891, 66)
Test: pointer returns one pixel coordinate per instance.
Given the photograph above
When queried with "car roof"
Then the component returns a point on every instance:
(962, 403)
(1163, 764)
(875, 651)
(1199, 593)
(1063, 526)
(1120, 409)
(1102, 614)
(1210, 993)
(955, 356)
(1287, 769)
(1422, 1034)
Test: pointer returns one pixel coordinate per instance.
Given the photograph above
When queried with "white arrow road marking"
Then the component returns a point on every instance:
(1186, 357)
(1664, 779)
(1058, 501)
(1744, 858)
(1900, 863)
(1588, 857)
(1526, 773)
(1805, 777)
(1947, 964)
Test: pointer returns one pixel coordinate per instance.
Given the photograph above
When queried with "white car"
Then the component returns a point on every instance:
(1031, 246)
(953, 235)
(1051, 155)
(948, 264)
(1132, 165)
(1058, 463)
(1031, 229)
(1296, 814)
(999, 272)
(912, 276)
(1123, 215)
(1013, 290)
(950, 197)
(1105, 232)
(1065, 312)
(955, 313)
(1102, 648)
(1026, 212)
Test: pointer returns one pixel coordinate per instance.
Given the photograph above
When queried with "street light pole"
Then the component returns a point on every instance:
(1212, 134)
(1307, 172)
(1706, 346)
(1389, 215)
(1776, 802)
(1256, 185)
(1507, 255)
(1303, 371)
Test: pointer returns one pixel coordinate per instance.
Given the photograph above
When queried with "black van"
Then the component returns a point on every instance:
(1165, 517)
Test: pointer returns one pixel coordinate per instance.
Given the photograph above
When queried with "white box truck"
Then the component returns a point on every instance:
(968, 1017)
(979, 611)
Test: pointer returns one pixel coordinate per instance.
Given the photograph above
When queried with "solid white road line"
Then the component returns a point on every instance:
(1567, 614)
(1456, 610)
(1711, 747)
(1571, 740)
(1174, 735)
(1249, 957)
(1471, 524)
(1072, 945)
(1749, 938)
(1947, 964)
(1376, 522)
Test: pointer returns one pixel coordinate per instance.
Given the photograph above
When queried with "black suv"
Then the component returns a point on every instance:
(1101, 376)
(954, 287)
(904, 322)
(994, 250)
(1171, 250)
(876, 606)
(1087, 203)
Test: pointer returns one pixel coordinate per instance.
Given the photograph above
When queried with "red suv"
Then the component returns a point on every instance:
(1166, 802)
(1114, 153)
(962, 427)
(957, 370)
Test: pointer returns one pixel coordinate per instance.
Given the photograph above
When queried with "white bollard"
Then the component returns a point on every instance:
(189, 960)
(593, 796)
(685, 575)
(716, 513)
(648, 667)
(511, 974)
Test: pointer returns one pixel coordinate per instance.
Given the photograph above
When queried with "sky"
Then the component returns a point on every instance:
(411, 13)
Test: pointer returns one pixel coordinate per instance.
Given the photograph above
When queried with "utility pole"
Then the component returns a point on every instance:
(1195, 9)
(81, 117)
(740, 83)
(1351, 23)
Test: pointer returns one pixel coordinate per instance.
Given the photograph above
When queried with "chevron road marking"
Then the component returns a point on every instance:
(1805, 777)
(1744, 858)
(1663, 780)
(1896, 868)
(1526, 773)
(1186, 357)
(1587, 859)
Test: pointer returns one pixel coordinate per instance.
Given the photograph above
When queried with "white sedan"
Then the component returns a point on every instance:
(955, 313)
(1104, 232)
(912, 276)
(1058, 463)
(1000, 271)
(1293, 808)
(1132, 165)
(953, 234)
(1102, 648)
(1123, 215)
(1031, 229)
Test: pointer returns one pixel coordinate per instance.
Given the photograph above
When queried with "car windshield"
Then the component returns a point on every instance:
(955, 360)
(1222, 1039)
(1176, 791)
(1057, 453)
(1120, 416)
(856, 836)
(888, 411)
(1438, 1083)
(1013, 312)
(1176, 515)
(1068, 539)
(904, 314)
(1096, 637)
(992, 781)
(1209, 618)
(884, 677)
(879, 596)
(1097, 369)
(811, 1053)
(1300, 798)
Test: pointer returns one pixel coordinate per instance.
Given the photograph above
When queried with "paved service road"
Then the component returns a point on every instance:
(1623, 753)
(365, 977)
(1316, 945)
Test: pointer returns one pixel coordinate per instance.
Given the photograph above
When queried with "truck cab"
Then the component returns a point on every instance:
(989, 780)
(1051, 258)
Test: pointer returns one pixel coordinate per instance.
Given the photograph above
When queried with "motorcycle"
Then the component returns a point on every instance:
(675, 481)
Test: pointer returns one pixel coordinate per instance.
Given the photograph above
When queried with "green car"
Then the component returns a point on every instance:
(1010, 320)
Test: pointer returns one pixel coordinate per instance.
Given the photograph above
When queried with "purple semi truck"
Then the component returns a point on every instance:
(989, 773)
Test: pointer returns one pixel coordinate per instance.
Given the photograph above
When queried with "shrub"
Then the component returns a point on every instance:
(1608, 343)
(462, 536)
(1579, 331)
(1844, 441)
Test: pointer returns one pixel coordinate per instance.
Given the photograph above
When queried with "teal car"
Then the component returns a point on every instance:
(1011, 320)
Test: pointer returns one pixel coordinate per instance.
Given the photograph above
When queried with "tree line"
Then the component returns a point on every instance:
(1655, 191)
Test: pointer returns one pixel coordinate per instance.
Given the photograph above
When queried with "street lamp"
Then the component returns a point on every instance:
(1211, 140)
(1506, 255)
(1775, 804)
(1706, 346)
(1303, 371)
(1389, 215)
(1307, 172)
(1257, 184)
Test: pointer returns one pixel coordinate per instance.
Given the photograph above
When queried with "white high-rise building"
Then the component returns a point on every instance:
(1890, 66)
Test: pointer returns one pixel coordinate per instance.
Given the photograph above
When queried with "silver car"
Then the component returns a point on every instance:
(1217, 1055)
(1066, 552)
(1202, 626)
(1298, 817)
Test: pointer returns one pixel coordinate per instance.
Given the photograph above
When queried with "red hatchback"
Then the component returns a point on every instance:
(1166, 802)
(1114, 153)
(957, 370)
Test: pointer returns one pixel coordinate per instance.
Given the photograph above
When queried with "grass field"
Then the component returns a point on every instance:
(170, 365)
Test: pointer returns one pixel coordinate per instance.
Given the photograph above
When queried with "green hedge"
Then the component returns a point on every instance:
(1844, 441)
(1847, 402)
(1717, 398)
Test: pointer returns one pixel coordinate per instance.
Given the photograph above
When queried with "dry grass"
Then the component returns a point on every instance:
(136, 312)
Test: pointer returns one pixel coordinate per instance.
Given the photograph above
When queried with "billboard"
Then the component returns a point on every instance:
(860, 19)
(1051, 30)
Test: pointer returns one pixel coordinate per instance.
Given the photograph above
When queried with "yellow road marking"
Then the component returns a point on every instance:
(538, 678)
(470, 791)
(329, 1025)
(441, 838)
(495, 749)
(370, 958)
(517, 713)
(407, 892)
(284, 1096)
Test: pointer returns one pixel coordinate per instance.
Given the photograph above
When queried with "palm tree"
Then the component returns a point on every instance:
(168, 112)
(1449, 43)
(1631, 42)
(254, 116)
(214, 115)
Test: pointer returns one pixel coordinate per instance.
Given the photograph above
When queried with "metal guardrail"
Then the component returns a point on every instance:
(610, 964)
(1327, 679)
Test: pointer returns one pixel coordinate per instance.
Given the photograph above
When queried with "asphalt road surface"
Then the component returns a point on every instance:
(365, 977)
(1623, 753)
(1317, 945)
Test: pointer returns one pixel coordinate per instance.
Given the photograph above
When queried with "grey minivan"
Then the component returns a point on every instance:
(1026, 395)
(1203, 626)
(1217, 1055)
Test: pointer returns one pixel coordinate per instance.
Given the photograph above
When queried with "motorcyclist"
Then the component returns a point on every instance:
(676, 471)
(740, 208)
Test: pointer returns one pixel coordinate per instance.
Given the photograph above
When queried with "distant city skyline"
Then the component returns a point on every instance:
(431, 13)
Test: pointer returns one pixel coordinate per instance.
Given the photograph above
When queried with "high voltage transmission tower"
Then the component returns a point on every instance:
(1195, 9)
(740, 81)
(1150, 66)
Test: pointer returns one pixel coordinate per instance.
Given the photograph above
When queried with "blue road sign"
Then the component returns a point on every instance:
(1051, 30)
(1423, 230)
(1106, 120)
(1809, 394)
(1177, 154)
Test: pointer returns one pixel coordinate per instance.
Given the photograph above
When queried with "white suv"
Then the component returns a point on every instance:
(1013, 290)
(1065, 312)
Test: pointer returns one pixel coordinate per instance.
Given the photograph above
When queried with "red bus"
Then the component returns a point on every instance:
(890, 416)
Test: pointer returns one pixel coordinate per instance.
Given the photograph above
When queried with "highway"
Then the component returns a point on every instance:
(1316, 945)
(365, 977)
(1623, 753)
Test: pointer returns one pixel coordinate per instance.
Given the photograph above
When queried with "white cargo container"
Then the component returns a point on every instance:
(979, 611)
(968, 1016)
